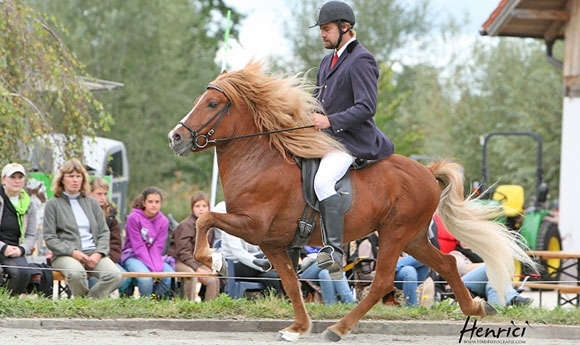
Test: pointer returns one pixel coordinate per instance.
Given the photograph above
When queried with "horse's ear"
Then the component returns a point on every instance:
(224, 71)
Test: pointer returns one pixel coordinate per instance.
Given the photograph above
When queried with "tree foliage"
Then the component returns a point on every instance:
(507, 87)
(163, 52)
(382, 26)
(40, 88)
(440, 110)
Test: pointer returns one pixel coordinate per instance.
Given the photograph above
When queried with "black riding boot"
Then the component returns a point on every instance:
(330, 256)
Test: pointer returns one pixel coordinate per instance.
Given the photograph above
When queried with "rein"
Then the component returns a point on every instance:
(200, 141)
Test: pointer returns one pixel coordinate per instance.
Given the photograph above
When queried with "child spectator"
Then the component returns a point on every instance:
(99, 191)
(182, 246)
(146, 230)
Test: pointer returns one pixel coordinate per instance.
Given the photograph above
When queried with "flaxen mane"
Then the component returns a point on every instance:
(278, 102)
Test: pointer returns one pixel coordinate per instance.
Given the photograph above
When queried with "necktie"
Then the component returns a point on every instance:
(334, 59)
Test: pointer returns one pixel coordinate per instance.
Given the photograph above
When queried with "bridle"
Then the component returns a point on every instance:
(200, 141)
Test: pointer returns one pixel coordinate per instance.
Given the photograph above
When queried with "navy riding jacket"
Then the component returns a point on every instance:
(348, 93)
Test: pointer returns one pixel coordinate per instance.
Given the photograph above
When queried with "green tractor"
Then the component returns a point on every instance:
(535, 223)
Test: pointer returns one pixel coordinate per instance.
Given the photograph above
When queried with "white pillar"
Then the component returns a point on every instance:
(570, 176)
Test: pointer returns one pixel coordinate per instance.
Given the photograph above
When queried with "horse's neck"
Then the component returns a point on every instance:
(247, 155)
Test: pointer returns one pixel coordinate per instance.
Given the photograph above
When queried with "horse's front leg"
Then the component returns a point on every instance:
(233, 224)
(281, 262)
(201, 252)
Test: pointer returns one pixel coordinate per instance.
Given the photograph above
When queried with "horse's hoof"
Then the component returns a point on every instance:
(489, 309)
(219, 264)
(331, 336)
(288, 336)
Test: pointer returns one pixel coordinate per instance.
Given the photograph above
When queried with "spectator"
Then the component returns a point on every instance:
(476, 281)
(330, 289)
(76, 232)
(146, 230)
(183, 244)
(99, 191)
(409, 274)
(244, 255)
(17, 228)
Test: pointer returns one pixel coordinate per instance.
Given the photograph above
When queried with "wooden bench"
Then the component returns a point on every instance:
(560, 262)
(177, 280)
(560, 289)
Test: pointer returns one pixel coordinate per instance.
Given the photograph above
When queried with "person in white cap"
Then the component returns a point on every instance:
(17, 228)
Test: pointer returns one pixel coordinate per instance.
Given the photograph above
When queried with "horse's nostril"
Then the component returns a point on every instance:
(176, 137)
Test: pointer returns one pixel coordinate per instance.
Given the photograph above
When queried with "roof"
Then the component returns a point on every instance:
(544, 19)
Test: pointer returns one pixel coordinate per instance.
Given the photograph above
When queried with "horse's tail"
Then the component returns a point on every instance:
(472, 224)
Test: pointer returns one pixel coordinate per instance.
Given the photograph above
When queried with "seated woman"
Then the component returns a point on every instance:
(330, 289)
(17, 228)
(182, 246)
(146, 230)
(76, 233)
(409, 274)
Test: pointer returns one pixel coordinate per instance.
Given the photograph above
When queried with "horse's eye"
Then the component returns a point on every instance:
(212, 104)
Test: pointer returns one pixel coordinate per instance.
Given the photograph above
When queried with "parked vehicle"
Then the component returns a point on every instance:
(534, 222)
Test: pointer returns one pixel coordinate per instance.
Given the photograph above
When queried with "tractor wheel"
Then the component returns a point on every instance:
(549, 239)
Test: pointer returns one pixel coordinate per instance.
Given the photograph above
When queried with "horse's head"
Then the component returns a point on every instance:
(249, 103)
(194, 132)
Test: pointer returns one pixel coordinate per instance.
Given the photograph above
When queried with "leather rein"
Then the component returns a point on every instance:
(200, 141)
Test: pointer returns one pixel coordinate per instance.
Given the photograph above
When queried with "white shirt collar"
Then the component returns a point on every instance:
(339, 52)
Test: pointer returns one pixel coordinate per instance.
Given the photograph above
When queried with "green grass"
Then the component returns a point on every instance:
(260, 308)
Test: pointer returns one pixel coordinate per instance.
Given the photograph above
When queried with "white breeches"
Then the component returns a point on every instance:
(332, 168)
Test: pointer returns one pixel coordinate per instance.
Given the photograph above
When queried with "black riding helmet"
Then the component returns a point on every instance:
(335, 11)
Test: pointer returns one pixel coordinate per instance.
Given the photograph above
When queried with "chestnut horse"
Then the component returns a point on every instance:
(258, 122)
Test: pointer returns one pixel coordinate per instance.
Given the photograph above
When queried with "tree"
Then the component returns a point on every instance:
(383, 26)
(163, 52)
(507, 86)
(40, 88)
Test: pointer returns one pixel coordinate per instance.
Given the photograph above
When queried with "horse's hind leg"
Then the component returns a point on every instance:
(446, 266)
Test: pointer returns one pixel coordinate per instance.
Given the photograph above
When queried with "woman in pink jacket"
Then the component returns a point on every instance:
(146, 234)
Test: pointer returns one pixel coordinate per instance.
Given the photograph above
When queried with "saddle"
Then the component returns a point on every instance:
(306, 225)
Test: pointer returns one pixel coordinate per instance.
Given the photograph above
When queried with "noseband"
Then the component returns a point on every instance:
(199, 141)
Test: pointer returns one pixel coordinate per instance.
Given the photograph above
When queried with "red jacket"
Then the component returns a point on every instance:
(447, 242)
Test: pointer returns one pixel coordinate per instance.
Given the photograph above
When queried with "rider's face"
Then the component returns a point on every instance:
(329, 34)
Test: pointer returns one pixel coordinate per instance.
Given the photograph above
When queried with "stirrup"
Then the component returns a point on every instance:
(326, 261)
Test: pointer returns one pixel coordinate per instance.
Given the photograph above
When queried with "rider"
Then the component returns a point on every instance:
(347, 90)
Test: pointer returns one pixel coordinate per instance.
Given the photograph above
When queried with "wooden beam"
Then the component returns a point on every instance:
(540, 14)
(555, 30)
(571, 70)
